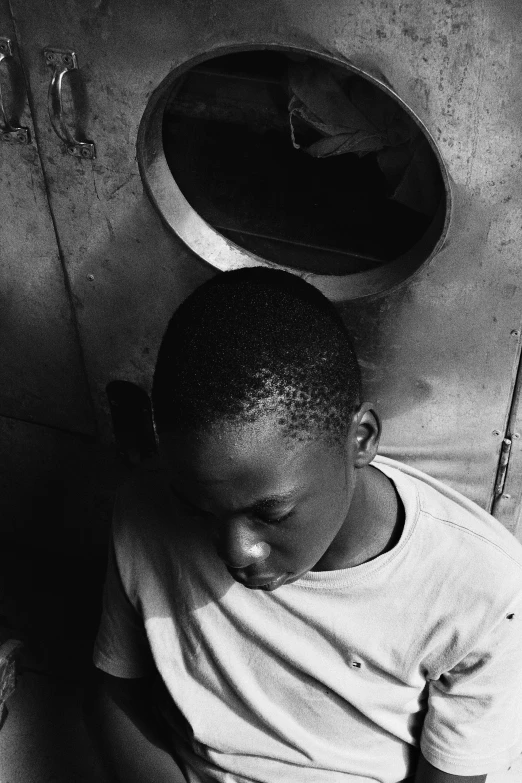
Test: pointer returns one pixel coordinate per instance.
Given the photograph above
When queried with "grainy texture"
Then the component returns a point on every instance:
(44, 739)
(438, 353)
(56, 495)
(43, 379)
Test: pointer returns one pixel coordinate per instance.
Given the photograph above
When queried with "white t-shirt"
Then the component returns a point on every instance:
(340, 675)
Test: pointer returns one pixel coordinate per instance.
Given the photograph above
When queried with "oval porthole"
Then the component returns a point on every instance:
(292, 159)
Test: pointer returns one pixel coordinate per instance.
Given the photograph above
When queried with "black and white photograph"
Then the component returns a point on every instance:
(260, 391)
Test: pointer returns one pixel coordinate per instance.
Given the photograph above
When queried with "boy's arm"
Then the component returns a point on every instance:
(426, 773)
(122, 723)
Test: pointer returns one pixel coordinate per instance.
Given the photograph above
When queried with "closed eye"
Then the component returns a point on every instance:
(278, 520)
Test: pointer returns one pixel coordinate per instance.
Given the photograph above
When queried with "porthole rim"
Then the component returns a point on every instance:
(221, 253)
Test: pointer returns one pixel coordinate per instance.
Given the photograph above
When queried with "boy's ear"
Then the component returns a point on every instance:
(365, 434)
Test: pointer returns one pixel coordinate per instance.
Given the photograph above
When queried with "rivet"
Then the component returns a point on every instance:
(516, 435)
(90, 278)
(506, 496)
(515, 333)
(70, 150)
(496, 432)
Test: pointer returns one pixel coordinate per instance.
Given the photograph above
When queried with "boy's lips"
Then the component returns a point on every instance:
(259, 582)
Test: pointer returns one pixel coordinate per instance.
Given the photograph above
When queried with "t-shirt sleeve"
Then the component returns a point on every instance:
(474, 721)
(121, 646)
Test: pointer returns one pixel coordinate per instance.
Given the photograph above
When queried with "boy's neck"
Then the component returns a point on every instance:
(373, 526)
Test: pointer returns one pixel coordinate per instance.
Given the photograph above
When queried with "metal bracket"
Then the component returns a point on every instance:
(10, 133)
(506, 447)
(505, 453)
(62, 61)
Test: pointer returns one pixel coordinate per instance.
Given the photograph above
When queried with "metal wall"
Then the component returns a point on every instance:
(440, 352)
(90, 274)
(43, 379)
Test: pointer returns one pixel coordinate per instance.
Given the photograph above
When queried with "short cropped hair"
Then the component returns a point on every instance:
(255, 341)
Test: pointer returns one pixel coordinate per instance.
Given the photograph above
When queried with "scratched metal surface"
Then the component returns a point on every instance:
(42, 378)
(439, 353)
(127, 272)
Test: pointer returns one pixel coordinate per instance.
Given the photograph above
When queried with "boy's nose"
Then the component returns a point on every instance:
(239, 545)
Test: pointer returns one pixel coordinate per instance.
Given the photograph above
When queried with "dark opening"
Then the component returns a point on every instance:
(304, 163)
(132, 421)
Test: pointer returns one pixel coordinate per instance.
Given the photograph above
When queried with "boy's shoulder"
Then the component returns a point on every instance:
(456, 528)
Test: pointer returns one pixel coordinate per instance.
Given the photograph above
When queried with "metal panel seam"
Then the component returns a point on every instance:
(93, 423)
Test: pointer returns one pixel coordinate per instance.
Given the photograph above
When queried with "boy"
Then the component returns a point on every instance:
(281, 604)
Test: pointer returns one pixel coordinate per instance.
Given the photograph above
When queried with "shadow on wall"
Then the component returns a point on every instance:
(44, 738)
(56, 493)
(142, 273)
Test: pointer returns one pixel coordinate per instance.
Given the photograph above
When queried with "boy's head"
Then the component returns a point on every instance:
(257, 341)
(256, 398)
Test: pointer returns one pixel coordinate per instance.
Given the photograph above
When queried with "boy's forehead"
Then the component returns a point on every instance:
(227, 442)
(240, 485)
(256, 457)
(213, 458)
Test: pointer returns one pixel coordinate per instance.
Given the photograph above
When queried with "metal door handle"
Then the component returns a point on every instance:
(61, 62)
(8, 132)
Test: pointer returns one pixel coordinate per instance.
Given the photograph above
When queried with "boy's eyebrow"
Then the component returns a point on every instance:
(273, 500)
(267, 503)
(263, 504)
